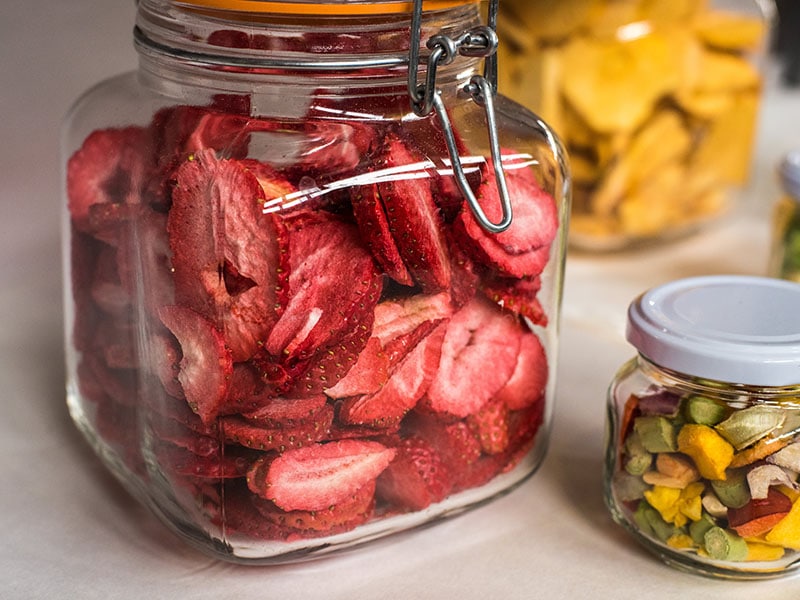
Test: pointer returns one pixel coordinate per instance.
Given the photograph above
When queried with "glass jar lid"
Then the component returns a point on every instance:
(732, 328)
(789, 172)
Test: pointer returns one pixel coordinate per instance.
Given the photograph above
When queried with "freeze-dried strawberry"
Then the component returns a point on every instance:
(163, 360)
(374, 228)
(84, 250)
(416, 478)
(110, 167)
(323, 306)
(523, 249)
(245, 432)
(479, 355)
(321, 475)
(107, 290)
(287, 412)
(405, 387)
(517, 295)
(167, 407)
(205, 364)
(367, 375)
(522, 428)
(227, 255)
(401, 323)
(527, 382)
(454, 442)
(179, 461)
(177, 434)
(98, 381)
(337, 518)
(412, 215)
(107, 221)
(490, 426)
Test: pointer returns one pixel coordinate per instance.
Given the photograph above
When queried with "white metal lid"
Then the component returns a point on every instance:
(789, 172)
(733, 328)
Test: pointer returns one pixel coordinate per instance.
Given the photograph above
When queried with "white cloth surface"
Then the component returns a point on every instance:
(70, 531)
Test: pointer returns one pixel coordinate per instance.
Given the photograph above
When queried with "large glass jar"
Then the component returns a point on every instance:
(656, 102)
(288, 331)
(703, 437)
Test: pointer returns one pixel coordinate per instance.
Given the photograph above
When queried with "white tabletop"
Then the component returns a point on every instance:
(69, 530)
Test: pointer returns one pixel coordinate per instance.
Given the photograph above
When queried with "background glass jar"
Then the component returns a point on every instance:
(703, 436)
(656, 102)
(287, 330)
(785, 253)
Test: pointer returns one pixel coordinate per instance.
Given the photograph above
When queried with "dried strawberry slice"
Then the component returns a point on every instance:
(177, 434)
(479, 355)
(334, 519)
(416, 478)
(374, 228)
(110, 167)
(206, 363)
(455, 443)
(367, 375)
(524, 248)
(490, 426)
(244, 432)
(179, 461)
(412, 215)
(517, 295)
(527, 383)
(288, 413)
(321, 475)
(323, 306)
(107, 290)
(226, 253)
(389, 405)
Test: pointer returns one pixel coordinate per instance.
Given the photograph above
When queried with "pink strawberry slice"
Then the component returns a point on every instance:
(206, 364)
(517, 295)
(287, 412)
(412, 215)
(524, 248)
(334, 519)
(479, 355)
(402, 391)
(326, 300)
(374, 228)
(490, 426)
(110, 167)
(367, 375)
(416, 478)
(318, 476)
(243, 432)
(227, 255)
(527, 383)
(455, 442)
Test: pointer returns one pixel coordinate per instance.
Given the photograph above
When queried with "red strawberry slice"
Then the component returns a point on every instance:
(374, 228)
(367, 375)
(206, 363)
(227, 254)
(334, 519)
(527, 383)
(401, 393)
(182, 462)
(107, 290)
(173, 432)
(323, 306)
(479, 355)
(524, 248)
(522, 428)
(243, 432)
(490, 426)
(321, 475)
(518, 296)
(288, 413)
(416, 478)
(110, 167)
(412, 215)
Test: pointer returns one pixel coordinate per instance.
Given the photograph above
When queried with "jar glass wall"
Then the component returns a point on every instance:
(287, 331)
(656, 101)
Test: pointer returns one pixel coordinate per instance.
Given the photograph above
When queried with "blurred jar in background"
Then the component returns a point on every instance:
(656, 102)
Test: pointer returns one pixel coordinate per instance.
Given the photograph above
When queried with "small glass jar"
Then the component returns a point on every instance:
(785, 254)
(703, 429)
(656, 102)
(311, 301)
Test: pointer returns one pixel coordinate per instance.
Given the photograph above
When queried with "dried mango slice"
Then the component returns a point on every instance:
(614, 85)
(721, 71)
(670, 11)
(552, 19)
(730, 31)
(606, 18)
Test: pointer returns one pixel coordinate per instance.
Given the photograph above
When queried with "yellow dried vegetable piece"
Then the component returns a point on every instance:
(787, 531)
(711, 453)
(680, 541)
(719, 71)
(614, 84)
(670, 11)
(551, 19)
(703, 104)
(730, 31)
(725, 148)
(676, 505)
(606, 18)
(757, 551)
(761, 449)
(672, 470)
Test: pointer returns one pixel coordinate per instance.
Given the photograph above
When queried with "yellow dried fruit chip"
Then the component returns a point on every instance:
(614, 84)
(551, 19)
(605, 18)
(660, 12)
(731, 31)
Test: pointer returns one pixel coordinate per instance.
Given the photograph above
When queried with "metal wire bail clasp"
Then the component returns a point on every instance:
(426, 97)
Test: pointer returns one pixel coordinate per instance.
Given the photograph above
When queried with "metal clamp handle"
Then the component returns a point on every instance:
(478, 42)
